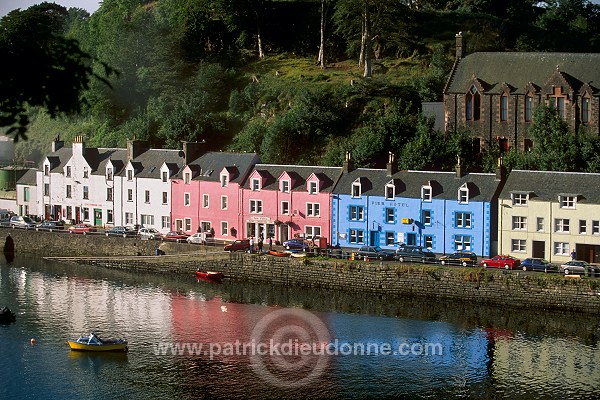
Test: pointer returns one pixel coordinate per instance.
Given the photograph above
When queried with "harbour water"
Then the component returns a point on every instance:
(192, 339)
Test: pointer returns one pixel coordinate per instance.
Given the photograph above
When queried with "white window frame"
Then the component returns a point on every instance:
(224, 202)
(357, 213)
(540, 224)
(256, 207)
(595, 227)
(128, 218)
(186, 199)
(313, 187)
(313, 209)
(165, 222)
(583, 227)
(255, 185)
(356, 189)
(224, 228)
(519, 223)
(205, 200)
(284, 186)
(390, 191)
(187, 224)
(463, 194)
(426, 217)
(562, 225)
(390, 238)
(390, 215)
(462, 243)
(187, 178)
(518, 245)
(147, 196)
(129, 194)
(109, 194)
(569, 202)
(86, 193)
(285, 208)
(129, 174)
(463, 219)
(165, 197)
(109, 174)
(561, 248)
(356, 236)
(164, 176)
(520, 199)
(311, 231)
(426, 193)
(224, 180)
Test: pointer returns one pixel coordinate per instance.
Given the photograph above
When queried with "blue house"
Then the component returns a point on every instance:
(443, 211)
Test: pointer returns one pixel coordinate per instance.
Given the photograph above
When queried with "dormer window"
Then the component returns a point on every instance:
(187, 177)
(313, 187)
(255, 184)
(129, 175)
(46, 170)
(165, 176)
(390, 191)
(426, 193)
(463, 194)
(68, 172)
(567, 201)
(520, 199)
(285, 186)
(224, 180)
(109, 174)
(356, 189)
(85, 173)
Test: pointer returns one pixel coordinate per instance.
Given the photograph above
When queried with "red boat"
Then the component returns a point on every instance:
(279, 253)
(209, 276)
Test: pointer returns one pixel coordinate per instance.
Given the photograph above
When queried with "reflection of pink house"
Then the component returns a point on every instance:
(282, 201)
(205, 194)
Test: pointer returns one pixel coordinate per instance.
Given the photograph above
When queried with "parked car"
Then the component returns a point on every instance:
(148, 233)
(296, 244)
(121, 231)
(197, 238)
(21, 222)
(464, 258)
(374, 253)
(506, 262)
(50, 226)
(175, 236)
(82, 228)
(579, 267)
(414, 253)
(538, 264)
(238, 245)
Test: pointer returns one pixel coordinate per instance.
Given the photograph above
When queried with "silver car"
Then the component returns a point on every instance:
(579, 267)
(21, 222)
(197, 238)
(148, 233)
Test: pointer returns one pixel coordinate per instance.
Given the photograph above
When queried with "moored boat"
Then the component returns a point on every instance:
(92, 342)
(7, 316)
(209, 275)
(279, 253)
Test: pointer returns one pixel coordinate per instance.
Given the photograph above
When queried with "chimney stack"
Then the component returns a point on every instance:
(391, 165)
(57, 144)
(78, 145)
(348, 164)
(460, 52)
(460, 170)
(193, 150)
(136, 147)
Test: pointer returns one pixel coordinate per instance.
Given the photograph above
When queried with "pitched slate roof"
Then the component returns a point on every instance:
(59, 158)
(518, 69)
(28, 178)
(445, 185)
(299, 173)
(547, 185)
(209, 166)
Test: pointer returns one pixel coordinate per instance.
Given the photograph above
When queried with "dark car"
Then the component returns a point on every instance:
(175, 236)
(238, 245)
(21, 222)
(50, 226)
(579, 267)
(538, 264)
(414, 253)
(374, 253)
(296, 244)
(506, 262)
(464, 258)
(121, 231)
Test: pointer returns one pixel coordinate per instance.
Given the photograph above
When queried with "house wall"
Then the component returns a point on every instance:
(29, 207)
(479, 230)
(155, 207)
(215, 215)
(178, 210)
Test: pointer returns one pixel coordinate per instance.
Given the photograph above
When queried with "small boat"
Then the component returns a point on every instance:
(92, 342)
(298, 254)
(279, 253)
(7, 316)
(209, 275)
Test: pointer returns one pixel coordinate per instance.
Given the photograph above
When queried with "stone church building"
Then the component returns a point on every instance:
(494, 94)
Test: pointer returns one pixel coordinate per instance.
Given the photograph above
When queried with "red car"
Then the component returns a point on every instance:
(82, 228)
(175, 236)
(506, 262)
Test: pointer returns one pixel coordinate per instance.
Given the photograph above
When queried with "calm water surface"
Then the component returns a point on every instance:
(486, 352)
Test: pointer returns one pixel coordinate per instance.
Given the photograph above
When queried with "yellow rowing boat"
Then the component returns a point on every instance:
(94, 343)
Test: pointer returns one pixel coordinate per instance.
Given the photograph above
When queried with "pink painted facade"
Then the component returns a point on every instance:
(284, 201)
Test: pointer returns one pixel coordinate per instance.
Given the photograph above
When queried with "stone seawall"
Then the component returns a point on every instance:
(476, 285)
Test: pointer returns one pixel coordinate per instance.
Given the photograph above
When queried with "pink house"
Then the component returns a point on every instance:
(206, 193)
(283, 201)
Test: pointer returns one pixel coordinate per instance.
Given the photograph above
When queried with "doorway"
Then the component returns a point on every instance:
(538, 249)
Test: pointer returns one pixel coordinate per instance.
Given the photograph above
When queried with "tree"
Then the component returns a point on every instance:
(41, 67)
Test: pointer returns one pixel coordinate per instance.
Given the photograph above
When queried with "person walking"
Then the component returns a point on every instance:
(251, 245)
(260, 244)
(573, 255)
(270, 243)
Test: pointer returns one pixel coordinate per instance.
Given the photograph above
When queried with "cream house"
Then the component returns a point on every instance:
(549, 214)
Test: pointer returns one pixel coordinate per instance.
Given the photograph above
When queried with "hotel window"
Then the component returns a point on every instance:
(186, 199)
(540, 224)
(166, 222)
(356, 189)
(187, 224)
(68, 171)
(187, 177)
(68, 191)
(426, 217)
(129, 194)
(147, 219)
(561, 249)
(224, 180)
(472, 104)
(128, 218)
(519, 223)
(313, 187)
(165, 197)
(528, 108)
(595, 227)
(109, 216)
(357, 213)
(585, 110)
(109, 174)
(518, 246)
(312, 231)
(390, 191)
(561, 225)
(463, 220)
(86, 193)
(520, 199)
(463, 194)
(426, 193)
(205, 201)
(109, 194)
(46, 189)
(129, 175)
(255, 206)
(85, 173)
(224, 228)
(285, 208)
(390, 239)
(164, 176)
(285, 186)
(462, 243)
(567, 201)
(313, 209)
(428, 241)
(147, 196)
(223, 202)
(390, 216)
(582, 227)
(503, 107)
(255, 184)
(357, 236)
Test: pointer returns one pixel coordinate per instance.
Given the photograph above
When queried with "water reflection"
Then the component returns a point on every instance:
(487, 352)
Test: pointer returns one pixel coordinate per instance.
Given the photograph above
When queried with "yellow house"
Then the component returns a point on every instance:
(549, 215)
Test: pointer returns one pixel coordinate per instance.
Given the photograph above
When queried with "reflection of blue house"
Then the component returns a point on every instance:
(443, 211)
